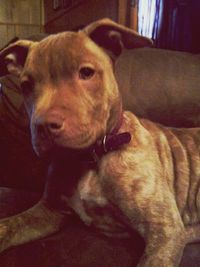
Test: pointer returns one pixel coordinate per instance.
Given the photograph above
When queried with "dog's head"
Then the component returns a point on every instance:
(68, 83)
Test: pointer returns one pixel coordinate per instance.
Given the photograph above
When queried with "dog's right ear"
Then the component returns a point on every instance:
(114, 37)
(13, 57)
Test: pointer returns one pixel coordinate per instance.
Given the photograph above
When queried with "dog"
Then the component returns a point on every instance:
(119, 173)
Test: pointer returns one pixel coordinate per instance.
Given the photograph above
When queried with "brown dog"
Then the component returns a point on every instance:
(118, 173)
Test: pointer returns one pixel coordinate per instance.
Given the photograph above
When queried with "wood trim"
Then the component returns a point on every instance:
(134, 17)
(18, 24)
(122, 11)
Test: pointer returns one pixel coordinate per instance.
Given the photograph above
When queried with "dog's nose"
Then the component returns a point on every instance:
(54, 126)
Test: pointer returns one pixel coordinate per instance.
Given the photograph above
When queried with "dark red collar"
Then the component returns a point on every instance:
(110, 142)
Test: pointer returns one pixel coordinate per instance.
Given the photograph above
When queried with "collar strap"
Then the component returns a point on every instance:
(109, 143)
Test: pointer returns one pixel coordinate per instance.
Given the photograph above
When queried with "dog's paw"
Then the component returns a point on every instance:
(3, 237)
(3, 230)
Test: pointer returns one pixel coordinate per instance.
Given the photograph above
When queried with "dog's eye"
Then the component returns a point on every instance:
(26, 87)
(86, 73)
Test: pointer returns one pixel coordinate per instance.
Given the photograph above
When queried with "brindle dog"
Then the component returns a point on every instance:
(117, 172)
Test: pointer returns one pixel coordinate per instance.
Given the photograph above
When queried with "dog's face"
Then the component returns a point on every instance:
(70, 92)
(69, 86)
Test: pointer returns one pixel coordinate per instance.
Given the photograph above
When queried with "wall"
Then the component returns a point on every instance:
(20, 18)
(79, 13)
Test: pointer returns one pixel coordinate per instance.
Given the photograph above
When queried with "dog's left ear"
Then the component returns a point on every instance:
(114, 37)
(13, 57)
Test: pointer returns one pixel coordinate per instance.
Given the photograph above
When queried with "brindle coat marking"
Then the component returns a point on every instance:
(150, 185)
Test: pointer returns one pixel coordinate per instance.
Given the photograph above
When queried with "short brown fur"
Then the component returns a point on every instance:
(151, 185)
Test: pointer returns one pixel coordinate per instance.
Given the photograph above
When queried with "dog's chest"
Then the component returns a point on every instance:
(89, 202)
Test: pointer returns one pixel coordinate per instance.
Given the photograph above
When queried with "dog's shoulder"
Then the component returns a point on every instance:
(144, 132)
(129, 161)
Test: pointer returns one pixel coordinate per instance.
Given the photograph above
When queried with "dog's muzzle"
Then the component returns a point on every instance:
(53, 126)
(45, 132)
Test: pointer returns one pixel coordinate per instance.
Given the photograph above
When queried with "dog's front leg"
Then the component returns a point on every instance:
(151, 209)
(162, 227)
(34, 223)
(164, 247)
